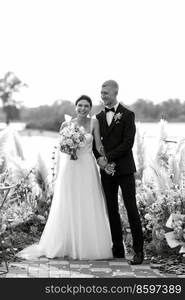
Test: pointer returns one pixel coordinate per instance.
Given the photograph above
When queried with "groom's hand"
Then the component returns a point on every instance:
(110, 169)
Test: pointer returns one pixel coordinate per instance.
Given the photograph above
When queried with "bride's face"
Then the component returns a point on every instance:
(83, 108)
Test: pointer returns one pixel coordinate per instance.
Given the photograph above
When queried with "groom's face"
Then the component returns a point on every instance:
(108, 95)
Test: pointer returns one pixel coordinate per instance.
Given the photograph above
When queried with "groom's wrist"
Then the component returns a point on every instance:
(98, 159)
(104, 168)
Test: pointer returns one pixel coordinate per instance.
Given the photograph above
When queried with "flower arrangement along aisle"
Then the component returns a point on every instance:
(25, 212)
(72, 137)
(176, 237)
(161, 190)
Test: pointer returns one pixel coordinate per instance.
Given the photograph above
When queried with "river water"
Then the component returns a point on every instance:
(35, 142)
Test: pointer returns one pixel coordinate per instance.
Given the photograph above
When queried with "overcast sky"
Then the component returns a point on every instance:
(65, 48)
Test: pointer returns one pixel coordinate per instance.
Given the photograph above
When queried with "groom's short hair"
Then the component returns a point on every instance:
(112, 83)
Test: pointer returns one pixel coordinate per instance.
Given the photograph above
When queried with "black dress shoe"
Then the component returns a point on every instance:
(137, 259)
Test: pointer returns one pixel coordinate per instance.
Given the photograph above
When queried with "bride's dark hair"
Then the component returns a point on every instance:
(84, 97)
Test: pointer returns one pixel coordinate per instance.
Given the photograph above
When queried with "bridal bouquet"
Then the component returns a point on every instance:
(72, 137)
(176, 237)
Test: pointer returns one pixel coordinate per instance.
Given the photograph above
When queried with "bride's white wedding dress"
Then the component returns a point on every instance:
(77, 226)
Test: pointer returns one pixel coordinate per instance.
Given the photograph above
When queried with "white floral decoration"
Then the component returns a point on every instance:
(117, 117)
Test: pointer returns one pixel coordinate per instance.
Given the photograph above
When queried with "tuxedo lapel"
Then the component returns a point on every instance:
(104, 121)
(105, 128)
(113, 123)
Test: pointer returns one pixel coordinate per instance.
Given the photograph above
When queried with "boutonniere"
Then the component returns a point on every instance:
(117, 117)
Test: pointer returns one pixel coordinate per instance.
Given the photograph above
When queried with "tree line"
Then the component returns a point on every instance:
(49, 117)
(172, 110)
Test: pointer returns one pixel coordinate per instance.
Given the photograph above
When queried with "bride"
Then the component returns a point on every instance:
(77, 225)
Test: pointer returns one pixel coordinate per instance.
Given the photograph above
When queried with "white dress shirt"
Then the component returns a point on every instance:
(110, 114)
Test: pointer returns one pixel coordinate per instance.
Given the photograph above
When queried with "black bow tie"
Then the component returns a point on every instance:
(109, 109)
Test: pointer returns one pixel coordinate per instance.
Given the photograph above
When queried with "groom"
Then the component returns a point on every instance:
(117, 129)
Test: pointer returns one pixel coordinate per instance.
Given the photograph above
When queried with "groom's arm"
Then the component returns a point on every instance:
(100, 157)
(101, 164)
(128, 139)
(95, 152)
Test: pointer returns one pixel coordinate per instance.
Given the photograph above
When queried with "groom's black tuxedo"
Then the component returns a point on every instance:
(118, 140)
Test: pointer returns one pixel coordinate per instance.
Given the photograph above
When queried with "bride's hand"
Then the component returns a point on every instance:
(102, 162)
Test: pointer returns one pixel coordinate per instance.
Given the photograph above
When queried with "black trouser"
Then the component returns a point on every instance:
(127, 185)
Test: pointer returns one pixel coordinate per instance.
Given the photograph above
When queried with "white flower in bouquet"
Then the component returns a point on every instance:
(67, 134)
(69, 142)
(78, 140)
(82, 130)
(72, 138)
(76, 135)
